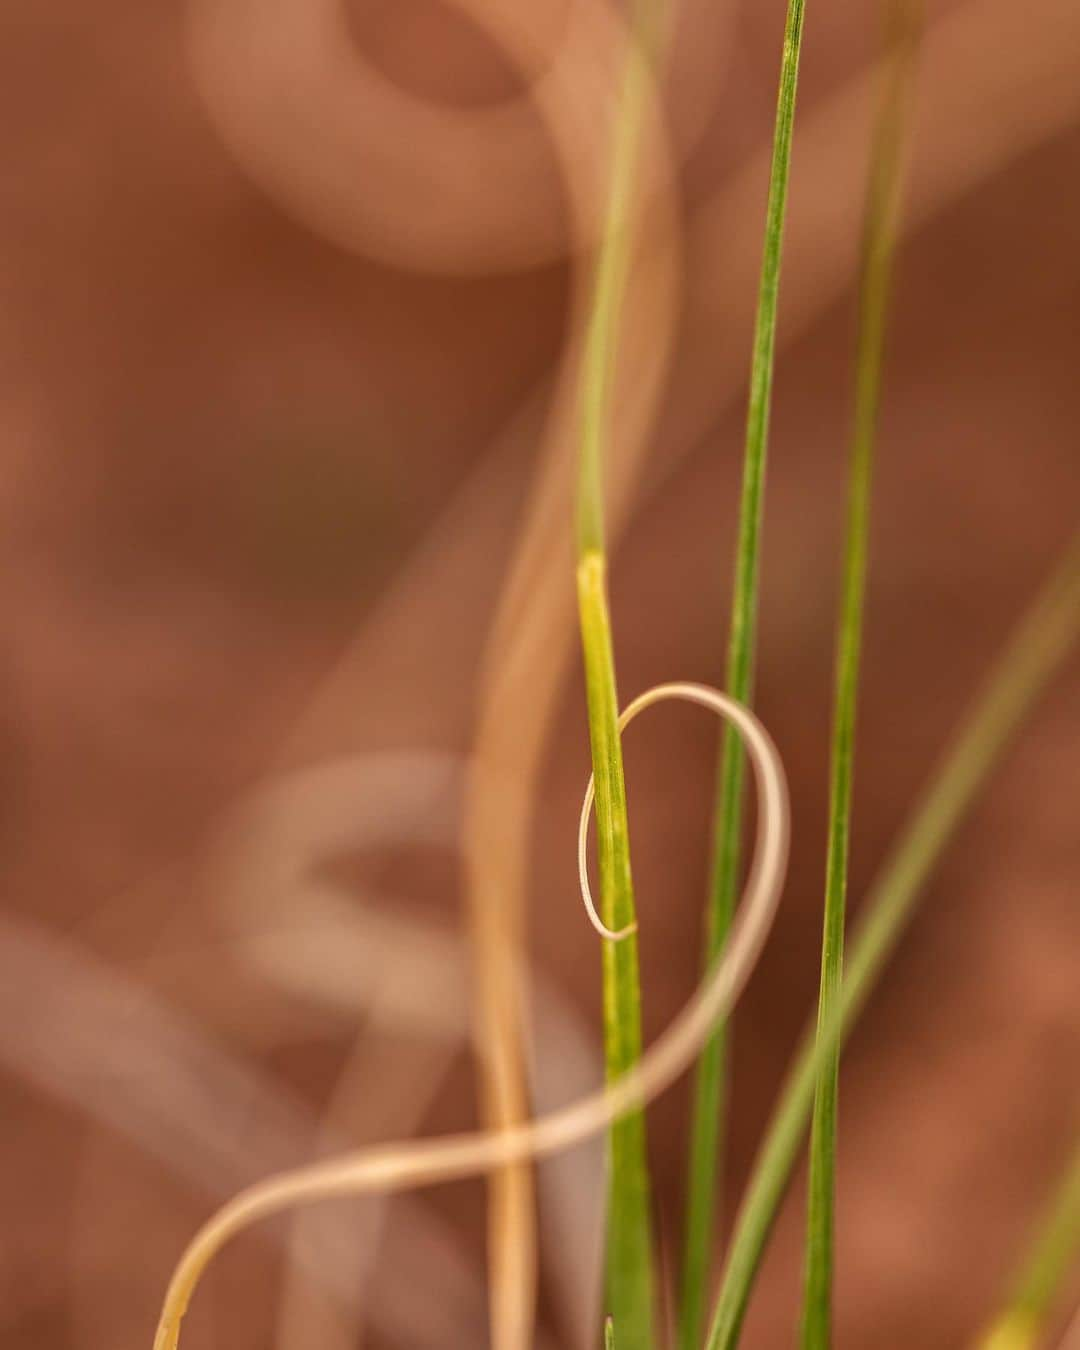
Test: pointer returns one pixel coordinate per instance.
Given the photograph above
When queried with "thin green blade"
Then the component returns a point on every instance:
(1036, 651)
(879, 241)
(711, 1077)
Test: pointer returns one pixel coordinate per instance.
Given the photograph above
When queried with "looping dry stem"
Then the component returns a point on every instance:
(705, 697)
(414, 1163)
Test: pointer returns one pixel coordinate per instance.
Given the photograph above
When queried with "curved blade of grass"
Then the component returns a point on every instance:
(710, 1079)
(1054, 1249)
(628, 1258)
(1035, 652)
(878, 246)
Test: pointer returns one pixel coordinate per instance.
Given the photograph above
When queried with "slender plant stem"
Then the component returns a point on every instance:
(629, 1279)
(609, 284)
(1054, 1249)
(1035, 652)
(629, 1237)
(711, 1076)
(878, 247)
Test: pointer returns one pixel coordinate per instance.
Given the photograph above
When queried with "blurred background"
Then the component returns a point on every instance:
(286, 294)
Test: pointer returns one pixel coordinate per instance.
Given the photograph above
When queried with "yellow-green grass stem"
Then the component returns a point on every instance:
(628, 1253)
(628, 1283)
(1053, 1253)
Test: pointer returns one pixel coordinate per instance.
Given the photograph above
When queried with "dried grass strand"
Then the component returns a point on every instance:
(414, 1163)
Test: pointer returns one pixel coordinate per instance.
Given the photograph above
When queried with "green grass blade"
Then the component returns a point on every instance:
(710, 1079)
(629, 1239)
(1035, 652)
(879, 237)
(628, 1258)
(1054, 1250)
(609, 1333)
(609, 287)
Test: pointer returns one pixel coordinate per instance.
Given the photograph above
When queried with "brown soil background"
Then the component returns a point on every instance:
(224, 439)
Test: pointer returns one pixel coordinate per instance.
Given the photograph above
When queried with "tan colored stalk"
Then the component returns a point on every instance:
(412, 1163)
(524, 669)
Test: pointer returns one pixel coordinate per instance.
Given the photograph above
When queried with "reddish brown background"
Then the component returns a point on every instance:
(223, 440)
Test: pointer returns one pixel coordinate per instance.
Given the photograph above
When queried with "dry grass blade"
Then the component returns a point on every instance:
(413, 1163)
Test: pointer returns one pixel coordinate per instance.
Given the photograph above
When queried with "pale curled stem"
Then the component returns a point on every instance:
(704, 696)
(415, 1163)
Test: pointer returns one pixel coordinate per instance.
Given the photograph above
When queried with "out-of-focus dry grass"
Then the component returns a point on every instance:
(253, 520)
